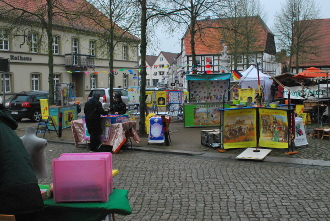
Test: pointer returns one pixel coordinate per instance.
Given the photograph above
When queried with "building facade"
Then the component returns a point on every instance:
(214, 48)
(162, 69)
(79, 57)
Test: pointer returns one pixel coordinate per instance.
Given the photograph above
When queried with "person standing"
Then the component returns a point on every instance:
(118, 106)
(272, 91)
(19, 191)
(93, 111)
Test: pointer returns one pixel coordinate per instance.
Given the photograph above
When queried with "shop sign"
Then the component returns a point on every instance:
(298, 92)
(20, 58)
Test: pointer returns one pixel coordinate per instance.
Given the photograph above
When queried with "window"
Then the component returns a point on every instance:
(125, 81)
(161, 73)
(208, 60)
(148, 82)
(7, 86)
(92, 48)
(93, 81)
(75, 50)
(161, 58)
(34, 43)
(125, 53)
(154, 82)
(35, 78)
(4, 41)
(239, 59)
(155, 73)
(252, 59)
(56, 79)
(56, 47)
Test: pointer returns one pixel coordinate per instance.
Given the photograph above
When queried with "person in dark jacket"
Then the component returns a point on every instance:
(118, 107)
(272, 91)
(19, 191)
(93, 111)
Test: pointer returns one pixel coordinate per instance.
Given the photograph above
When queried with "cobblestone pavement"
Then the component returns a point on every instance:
(177, 187)
(209, 186)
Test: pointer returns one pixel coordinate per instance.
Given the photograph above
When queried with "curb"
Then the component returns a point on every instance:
(296, 161)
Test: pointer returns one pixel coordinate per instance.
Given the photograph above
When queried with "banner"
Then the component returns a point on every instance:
(300, 136)
(201, 114)
(273, 128)
(239, 128)
(309, 92)
(44, 109)
(133, 95)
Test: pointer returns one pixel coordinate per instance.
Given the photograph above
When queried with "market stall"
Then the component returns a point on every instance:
(257, 126)
(207, 93)
(114, 134)
(252, 78)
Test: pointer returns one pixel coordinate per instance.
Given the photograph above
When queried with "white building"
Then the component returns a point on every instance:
(162, 69)
(80, 56)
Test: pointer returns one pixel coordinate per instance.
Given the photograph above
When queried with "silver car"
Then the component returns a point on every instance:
(105, 95)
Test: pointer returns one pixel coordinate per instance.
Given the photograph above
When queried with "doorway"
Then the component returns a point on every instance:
(78, 80)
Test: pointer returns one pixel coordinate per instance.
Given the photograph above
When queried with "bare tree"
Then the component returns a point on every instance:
(150, 11)
(112, 15)
(42, 16)
(240, 34)
(296, 31)
(189, 12)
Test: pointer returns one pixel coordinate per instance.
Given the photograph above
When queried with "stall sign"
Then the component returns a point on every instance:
(273, 128)
(133, 95)
(239, 130)
(156, 133)
(298, 92)
(174, 97)
(245, 93)
(300, 113)
(201, 114)
(161, 98)
(207, 91)
(44, 109)
(149, 98)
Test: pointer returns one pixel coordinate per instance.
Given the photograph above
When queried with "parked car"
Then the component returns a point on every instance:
(105, 95)
(26, 104)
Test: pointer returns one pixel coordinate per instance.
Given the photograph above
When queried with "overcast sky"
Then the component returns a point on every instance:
(270, 8)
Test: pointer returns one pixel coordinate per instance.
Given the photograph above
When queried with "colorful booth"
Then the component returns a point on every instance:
(207, 94)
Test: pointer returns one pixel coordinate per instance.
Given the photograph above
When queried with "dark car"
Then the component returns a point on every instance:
(26, 104)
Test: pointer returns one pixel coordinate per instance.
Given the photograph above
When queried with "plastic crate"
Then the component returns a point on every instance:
(82, 177)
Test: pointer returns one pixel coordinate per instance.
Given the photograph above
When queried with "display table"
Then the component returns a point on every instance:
(118, 203)
(118, 134)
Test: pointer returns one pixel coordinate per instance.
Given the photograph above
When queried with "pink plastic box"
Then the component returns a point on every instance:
(82, 177)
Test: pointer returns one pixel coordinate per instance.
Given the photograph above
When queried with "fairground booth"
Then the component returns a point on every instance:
(253, 121)
(207, 94)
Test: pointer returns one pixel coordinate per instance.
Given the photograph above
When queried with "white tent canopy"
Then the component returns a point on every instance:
(250, 78)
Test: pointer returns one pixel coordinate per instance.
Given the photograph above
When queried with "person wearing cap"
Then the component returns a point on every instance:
(118, 106)
(93, 111)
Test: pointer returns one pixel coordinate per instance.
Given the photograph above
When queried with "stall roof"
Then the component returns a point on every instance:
(210, 77)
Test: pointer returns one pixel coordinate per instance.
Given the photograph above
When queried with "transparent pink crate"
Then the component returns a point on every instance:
(80, 177)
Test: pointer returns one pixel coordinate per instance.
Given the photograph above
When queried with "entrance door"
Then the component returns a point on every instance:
(78, 80)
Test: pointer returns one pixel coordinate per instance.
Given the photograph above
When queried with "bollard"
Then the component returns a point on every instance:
(60, 124)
